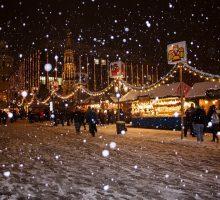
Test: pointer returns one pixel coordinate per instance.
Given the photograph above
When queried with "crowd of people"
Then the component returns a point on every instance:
(196, 121)
(79, 117)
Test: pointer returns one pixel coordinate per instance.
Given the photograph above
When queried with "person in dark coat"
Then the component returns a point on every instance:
(199, 121)
(188, 120)
(62, 116)
(78, 120)
(91, 119)
(214, 119)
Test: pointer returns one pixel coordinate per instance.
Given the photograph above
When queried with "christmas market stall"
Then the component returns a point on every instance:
(159, 108)
(205, 94)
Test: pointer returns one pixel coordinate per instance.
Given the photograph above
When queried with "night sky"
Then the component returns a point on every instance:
(136, 31)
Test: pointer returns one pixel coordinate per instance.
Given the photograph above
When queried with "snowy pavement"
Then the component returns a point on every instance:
(42, 162)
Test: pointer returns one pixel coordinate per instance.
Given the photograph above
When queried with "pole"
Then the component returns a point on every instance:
(137, 76)
(87, 71)
(47, 78)
(132, 77)
(142, 74)
(108, 69)
(101, 72)
(80, 70)
(147, 74)
(56, 69)
(181, 97)
(94, 77)
(152, 74)
(118, 110)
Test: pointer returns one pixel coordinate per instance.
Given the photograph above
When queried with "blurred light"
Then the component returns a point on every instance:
(47, 67)
(24, 94)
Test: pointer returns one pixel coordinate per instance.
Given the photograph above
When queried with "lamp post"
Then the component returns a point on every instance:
(118, 95)
(55, 69)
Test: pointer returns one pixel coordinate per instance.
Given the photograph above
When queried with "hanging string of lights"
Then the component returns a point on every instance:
(145, 88)
(201, 74)
(99, 93)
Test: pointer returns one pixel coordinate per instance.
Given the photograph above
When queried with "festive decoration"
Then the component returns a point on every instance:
(117, 69)
(146, 88)
(177, 53)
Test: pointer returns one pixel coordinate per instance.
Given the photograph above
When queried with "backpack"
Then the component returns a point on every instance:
(215, 118)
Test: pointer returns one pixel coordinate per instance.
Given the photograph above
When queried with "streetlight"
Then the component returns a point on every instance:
(118, 95)
(56, 59)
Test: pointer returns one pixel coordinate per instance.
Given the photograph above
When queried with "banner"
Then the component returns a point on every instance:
(117, 69)
(103, 62)
(176, 53)
(96, 61)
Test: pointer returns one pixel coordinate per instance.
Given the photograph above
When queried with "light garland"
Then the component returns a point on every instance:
(146, 88)
(99, 93)
(201, 74)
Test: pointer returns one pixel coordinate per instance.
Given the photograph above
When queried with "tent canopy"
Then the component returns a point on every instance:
(97, 99)
(200, 89)
(168, 90)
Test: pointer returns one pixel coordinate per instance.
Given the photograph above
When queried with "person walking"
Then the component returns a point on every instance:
(188, 120)
(91, 119)
(78, 120)
(199, 121)
(214, 119)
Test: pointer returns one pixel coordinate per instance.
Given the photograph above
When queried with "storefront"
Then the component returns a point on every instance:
(159, 108)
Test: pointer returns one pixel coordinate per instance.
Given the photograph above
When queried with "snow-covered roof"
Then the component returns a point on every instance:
(168, 90)
(132, 95)
(199, 89)
(97, 99)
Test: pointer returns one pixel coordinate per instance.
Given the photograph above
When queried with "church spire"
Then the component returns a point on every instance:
(69, 41)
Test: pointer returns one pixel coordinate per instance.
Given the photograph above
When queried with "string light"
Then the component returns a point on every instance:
(147, 88)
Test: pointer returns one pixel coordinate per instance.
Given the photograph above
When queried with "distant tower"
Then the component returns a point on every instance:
(69, 67)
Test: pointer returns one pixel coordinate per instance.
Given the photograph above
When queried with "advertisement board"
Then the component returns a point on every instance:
(176, 53)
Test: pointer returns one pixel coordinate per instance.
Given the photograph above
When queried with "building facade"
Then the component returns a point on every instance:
(6, 70)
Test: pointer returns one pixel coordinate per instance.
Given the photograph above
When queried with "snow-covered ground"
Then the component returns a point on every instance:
(42, 162)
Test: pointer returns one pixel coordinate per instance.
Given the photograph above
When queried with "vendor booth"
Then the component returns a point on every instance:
(159, 108)
(205, 94)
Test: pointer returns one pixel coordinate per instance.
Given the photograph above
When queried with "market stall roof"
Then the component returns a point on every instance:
(97, 99)
(168, 90)
(132, 95)
(200, 89)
